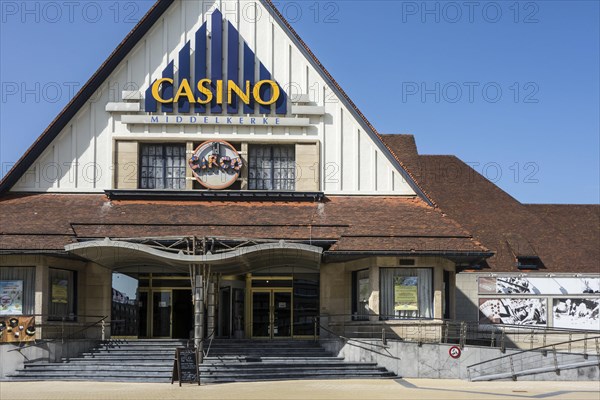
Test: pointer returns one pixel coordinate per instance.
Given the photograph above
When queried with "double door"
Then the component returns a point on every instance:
(166, 313)
(271, 313)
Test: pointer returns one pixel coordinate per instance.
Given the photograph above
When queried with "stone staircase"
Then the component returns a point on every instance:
(262, 360)
(227, 361)
(112, 360)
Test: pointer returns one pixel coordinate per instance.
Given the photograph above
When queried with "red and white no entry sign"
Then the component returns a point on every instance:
(454, 352)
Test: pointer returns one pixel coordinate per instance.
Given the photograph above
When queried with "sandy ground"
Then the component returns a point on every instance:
(327, 389)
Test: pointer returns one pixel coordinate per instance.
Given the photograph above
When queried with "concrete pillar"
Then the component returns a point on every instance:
(211, 309)
(438, 285)
(189, 174)
(244, 171)
(41, 297)
(198, 311)
(248, 307)
(374, 297)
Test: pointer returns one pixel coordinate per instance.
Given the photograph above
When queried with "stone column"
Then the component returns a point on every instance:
(438, 286)
(374, 297)
(189, 174)
(211, 308)
(244, 171)
(198, 310)
(41, 297)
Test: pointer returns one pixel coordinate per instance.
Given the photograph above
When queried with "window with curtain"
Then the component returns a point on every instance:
(17, 290)
(162, 166)
(271, 167)
(406, 292)
(62, 294)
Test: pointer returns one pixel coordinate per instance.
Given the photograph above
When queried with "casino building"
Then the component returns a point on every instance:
(216, 161)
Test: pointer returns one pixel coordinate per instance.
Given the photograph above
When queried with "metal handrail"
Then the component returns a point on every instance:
(211, 337)
(452, 331)
(386, 318)
(533, 350)
(57, 317)
(350, 340)
(346, 339)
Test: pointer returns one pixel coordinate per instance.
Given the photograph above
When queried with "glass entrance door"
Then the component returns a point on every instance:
(282, 314)
(161, 314)
(271, 313)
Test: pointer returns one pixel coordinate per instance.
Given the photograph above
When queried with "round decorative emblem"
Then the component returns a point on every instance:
(454, 352)
(216, 164)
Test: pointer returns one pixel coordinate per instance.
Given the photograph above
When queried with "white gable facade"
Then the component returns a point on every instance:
(333, 148)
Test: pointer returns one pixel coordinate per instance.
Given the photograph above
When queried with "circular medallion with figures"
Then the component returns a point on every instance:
(216, 164)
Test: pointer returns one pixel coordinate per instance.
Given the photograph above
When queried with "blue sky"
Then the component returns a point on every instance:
(511, 87)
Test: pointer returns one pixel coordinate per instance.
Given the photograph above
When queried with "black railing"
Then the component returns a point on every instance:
(433, 330)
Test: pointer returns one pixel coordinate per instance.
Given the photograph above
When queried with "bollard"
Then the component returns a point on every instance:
(103, 331)
(383, 339)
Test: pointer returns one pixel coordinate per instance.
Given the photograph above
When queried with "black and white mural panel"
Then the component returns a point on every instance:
(539, 286)
(577, 313)
(561, 302)
(513, 311)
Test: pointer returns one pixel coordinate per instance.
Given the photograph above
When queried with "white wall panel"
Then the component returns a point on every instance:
(102, 144)
(155, 51)
(64, 153)
(137, 73)
(367, 163)
(350, 167)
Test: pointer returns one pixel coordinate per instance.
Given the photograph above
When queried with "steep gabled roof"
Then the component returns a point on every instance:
(136, 34)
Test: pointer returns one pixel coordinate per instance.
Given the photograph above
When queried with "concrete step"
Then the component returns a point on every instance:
(98, 374)
(275, 366)
(239, 358)
(92, 367)
(229, 379)
(91, 378)
(292, 371)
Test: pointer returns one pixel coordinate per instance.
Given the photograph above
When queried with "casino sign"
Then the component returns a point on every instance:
(216, 164)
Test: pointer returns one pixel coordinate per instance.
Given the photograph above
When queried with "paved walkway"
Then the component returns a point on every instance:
(439, 389)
